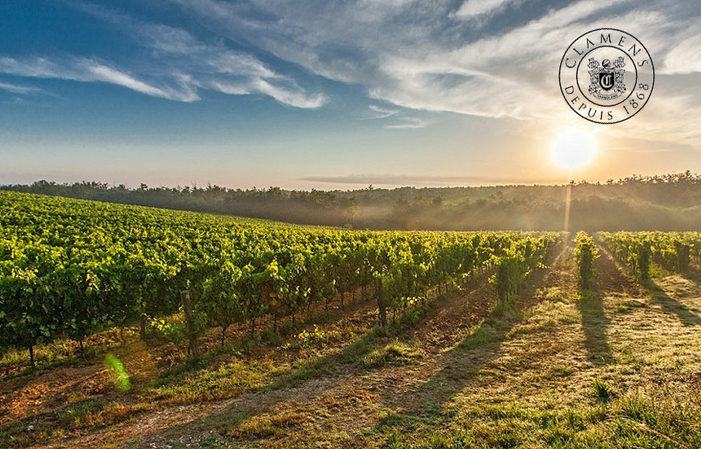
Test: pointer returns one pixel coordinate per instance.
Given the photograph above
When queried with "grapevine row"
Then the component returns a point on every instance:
(585, 254)
(72, 267)
(673, 251)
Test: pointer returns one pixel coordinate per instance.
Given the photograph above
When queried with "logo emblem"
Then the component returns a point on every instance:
(606, 76)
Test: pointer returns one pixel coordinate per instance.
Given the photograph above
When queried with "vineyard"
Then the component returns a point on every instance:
(672, 251)
(193, 330)
(69, 267)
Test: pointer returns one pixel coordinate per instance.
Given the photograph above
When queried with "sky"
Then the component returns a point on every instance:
(327, 94)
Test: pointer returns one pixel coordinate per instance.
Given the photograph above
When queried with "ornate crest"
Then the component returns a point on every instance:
(607, 78)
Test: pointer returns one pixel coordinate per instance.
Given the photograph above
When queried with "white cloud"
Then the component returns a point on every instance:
(380, 112)
(290, 97)
(110, 75)
(685, 57)
(409, 123)
(415, 54)
(402, 54)
(475, 8)
(399, 118)
(212, 65)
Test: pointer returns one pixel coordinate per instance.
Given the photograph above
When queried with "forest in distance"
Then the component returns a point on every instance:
(669, 202)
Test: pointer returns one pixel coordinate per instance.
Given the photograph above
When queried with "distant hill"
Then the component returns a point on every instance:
(665, 202)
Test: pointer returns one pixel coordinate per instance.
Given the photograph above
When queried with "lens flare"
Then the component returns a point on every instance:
(118, 373)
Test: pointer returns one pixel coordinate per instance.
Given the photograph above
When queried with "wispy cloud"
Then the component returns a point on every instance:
(211, 65)
(21, 90)
(685, 56)
(88, 70)
(398, 118)
(409, 53)
(378, 112)
(406, 54)
(180, 66)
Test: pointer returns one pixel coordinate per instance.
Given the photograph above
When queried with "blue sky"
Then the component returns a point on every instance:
(323, 94)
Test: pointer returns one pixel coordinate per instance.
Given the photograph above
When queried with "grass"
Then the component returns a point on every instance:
(602, 391)
(224, 381)
(220, 372)
(395, 353)
(650, 419)
(76, 413)
(266, 426)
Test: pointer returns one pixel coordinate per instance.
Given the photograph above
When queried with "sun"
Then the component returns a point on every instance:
(573, 148)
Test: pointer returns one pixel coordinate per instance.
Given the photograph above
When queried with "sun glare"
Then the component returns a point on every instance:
(573, 148)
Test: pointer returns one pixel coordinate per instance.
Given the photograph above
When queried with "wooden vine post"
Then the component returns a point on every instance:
(382, 308)
(189, 326)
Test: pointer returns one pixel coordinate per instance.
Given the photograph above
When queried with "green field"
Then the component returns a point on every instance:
(293, 336)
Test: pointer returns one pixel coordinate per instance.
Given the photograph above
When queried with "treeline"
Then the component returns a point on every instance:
(670, 202)
(313, 207)
(71, 268)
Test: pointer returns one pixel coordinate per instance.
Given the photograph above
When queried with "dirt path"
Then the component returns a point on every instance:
(342, 396)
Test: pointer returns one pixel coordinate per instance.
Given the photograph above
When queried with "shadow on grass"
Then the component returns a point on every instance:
(595, 323)
(462, 363)
(659, 296)
(158, 389)
(672, 306)
(301, 385)
(609, 279)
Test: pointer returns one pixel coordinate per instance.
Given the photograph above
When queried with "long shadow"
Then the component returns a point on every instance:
(659, 296)
(595, 323)
(608, 279)
(672, 306)
(310, 369)
(263, 344)
(237, 341)
(460, 364)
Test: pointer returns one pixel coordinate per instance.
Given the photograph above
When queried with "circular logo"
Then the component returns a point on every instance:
(606, 76)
